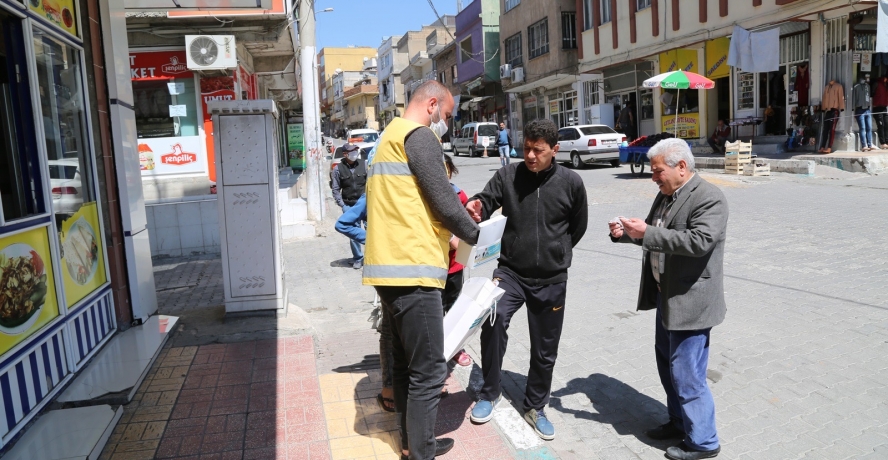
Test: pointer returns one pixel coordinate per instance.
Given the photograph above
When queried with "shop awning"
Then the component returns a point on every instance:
(196, 4)
(473, 102)
(552, 81)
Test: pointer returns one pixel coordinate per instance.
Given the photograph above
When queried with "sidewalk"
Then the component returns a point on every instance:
(291, 397)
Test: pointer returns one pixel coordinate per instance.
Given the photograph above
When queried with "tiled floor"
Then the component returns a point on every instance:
(360, 429)
(250, 400)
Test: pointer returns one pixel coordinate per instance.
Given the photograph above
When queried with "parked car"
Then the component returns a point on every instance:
(587, 144)
(362, 137)
(470, 139)
(67, 192)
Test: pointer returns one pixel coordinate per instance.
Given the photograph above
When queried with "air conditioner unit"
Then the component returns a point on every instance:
(518, 75)
(505, 71)
(210, 52)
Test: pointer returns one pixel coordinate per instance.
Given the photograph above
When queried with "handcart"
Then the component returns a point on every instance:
(636, 157)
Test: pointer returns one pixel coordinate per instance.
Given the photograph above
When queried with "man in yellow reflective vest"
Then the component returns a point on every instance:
(411, 214)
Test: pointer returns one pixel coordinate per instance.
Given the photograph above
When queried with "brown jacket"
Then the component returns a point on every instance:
(833, 97)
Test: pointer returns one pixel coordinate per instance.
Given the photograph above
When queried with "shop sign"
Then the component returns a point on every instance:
(685, 125)
(28, 301)
(530, 102)
(553, 107)
(679, 59)
(159, 65)
(171, 155)
(247, 84)
(296, 145)
(58, 12)
(717, 58)
(83, 262)
(213, 89)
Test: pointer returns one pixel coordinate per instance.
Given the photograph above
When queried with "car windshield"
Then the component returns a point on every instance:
(590, 130)
(62, 172)
(338, 153)
(487, 130)
(363, 137)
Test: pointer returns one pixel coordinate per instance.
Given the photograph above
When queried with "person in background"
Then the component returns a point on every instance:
(503, 144)
(349, 180)
(719, 137)
(682, 278)
(411, 214)
(547, 216)
(627, 121)
(454, 284)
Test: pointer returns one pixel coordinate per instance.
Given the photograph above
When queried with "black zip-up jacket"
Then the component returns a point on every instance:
(547, 216)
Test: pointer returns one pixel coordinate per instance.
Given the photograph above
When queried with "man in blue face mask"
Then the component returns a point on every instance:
(349, 181)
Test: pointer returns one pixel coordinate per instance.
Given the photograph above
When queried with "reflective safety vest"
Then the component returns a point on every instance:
(406, 245)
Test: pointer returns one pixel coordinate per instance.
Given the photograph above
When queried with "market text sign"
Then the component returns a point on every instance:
(161, 65)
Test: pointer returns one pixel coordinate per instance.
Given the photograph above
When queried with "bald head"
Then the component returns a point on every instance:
(429, 101)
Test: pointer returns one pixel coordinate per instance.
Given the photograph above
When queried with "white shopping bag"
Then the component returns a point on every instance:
(472, 308)
(488, 247)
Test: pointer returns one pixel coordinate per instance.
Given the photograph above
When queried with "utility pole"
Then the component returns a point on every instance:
(311, 111)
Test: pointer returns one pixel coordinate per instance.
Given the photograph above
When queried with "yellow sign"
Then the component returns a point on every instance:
(58, 12)
(717, 58)
(553, 107)
(688, 125)
(83, 261)
(679, 59)
(27, 297)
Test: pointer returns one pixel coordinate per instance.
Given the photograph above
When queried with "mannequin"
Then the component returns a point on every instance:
(832, 103)
(880, 107)
(861, 100)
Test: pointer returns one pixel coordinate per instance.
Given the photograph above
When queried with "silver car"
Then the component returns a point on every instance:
(587, 144)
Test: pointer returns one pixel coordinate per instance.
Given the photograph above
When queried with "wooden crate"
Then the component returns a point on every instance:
(737, 154)
(734, 162)
(753, 169)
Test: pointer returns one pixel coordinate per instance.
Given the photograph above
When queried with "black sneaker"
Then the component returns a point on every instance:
(665, 431)
(683, 452)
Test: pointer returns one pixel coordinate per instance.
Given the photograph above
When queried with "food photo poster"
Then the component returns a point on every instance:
(27, 294)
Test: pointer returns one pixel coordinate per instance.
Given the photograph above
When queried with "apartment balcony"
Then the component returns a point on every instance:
(371, 90)
(419, 59)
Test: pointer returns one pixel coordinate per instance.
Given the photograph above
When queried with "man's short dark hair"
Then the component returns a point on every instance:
(541, 129)
(428, 90)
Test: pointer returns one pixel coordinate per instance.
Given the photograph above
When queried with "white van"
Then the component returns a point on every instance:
(470, 139)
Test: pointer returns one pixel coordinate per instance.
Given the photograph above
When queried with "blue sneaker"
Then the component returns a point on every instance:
(483, 410)
(537, 419)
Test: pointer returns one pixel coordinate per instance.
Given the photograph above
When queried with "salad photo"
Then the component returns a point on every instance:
(22, 286)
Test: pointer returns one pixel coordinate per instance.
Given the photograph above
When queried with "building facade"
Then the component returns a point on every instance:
(539, 52)
(349, 59)
(445, 67)
(478, 60)
(818, 41)
(392, 62)
(421, 64)
(340, 83)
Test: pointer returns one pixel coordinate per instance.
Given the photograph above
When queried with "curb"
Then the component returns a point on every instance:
(874, 164)
(803, 167)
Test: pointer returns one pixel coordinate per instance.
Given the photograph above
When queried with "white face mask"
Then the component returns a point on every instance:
(439, 127)
(353, 156)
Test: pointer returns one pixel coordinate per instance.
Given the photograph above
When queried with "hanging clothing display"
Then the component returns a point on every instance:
(802, 84)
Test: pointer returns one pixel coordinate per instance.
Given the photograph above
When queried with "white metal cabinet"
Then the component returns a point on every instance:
(249, 222)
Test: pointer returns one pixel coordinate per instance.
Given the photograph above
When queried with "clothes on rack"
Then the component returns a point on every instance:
(833, 96)
(828, 134)
(802, 84)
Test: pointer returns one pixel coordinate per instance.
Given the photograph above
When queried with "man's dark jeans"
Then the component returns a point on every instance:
(416, 318)
(718, 145)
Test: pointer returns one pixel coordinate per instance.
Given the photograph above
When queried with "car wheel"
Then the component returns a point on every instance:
(575, 161)
(615, 163)
(472, 152)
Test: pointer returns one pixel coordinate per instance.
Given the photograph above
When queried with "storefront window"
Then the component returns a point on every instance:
(167, 114)
(647, 104)
(74, 204)
(20, 189)
(64, 126)
(746, 91)
(684, 101)
(165, 108)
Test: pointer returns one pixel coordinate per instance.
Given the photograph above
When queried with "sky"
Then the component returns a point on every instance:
(365, 22)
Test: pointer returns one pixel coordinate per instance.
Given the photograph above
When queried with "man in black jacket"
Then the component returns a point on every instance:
(349, 178)
(547, 214)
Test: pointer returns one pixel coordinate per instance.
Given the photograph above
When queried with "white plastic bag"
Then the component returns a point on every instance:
(472, 308)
